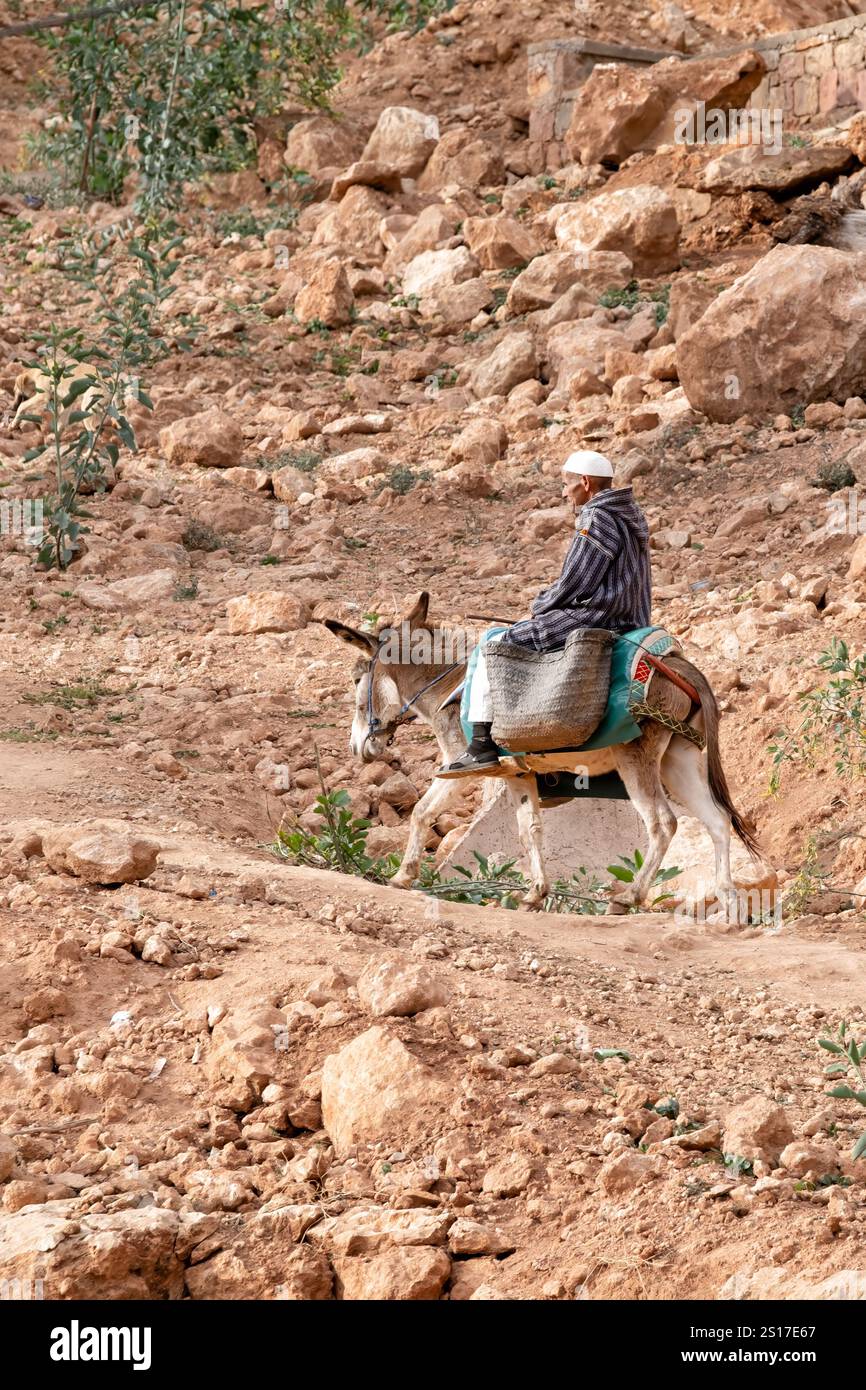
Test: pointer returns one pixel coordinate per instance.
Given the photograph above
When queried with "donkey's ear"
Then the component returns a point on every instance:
(416, 615)
(364, 640)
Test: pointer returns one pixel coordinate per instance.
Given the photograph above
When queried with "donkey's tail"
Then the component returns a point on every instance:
(715, 772)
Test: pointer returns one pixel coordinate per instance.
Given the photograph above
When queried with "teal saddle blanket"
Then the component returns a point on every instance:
(630, 675)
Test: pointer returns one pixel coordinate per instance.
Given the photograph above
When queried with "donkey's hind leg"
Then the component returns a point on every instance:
(524, 793)
(638, 765)
(684, 773)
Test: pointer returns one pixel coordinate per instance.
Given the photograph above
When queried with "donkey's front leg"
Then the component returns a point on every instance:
(438, 795)
(524, 794)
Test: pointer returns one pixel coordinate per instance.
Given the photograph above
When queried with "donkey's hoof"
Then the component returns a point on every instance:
(533, 901)
(401, 880)
(618, 907)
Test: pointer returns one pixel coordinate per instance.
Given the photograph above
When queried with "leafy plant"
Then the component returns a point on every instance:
(834, 719)
(81, 694)
(851, 1056)
(90, 381)
(626, 871)
(340, 843)
(174, 92)
(809, 880)
(737, 1164)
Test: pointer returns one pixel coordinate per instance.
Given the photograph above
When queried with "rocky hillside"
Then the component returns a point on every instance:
(260, 1080)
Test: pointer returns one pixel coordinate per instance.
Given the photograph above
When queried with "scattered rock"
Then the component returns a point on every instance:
(210, 439)
(374, 1089)
(99, 853)
(400, 987)
(757, 1129)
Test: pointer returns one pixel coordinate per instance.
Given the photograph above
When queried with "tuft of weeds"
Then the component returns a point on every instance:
(632, 297)
(199, 536)
(82, 694)
(184, 592)
(832, 477)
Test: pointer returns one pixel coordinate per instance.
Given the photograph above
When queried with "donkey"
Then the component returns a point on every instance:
(387, 694)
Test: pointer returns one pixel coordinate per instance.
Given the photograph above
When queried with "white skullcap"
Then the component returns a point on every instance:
(588, 463)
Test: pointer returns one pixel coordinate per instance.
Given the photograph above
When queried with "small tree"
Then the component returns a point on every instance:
(834, 719)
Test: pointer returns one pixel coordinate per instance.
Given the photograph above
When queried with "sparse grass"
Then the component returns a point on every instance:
(199, 536)
(834, 476)
(402, 479)
(247, 223)
(52, 624)
(632, 297)
(28, 735)
(184, 592)
(305, 460)
(82, 694)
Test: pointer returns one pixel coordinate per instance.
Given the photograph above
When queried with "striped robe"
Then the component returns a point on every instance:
(605, 580)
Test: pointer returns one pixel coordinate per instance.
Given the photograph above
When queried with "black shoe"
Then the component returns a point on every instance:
(480, 758)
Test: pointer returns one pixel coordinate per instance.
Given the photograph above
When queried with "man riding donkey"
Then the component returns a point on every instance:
(605, 583)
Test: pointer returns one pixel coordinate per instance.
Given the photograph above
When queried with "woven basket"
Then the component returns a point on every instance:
(545, 700)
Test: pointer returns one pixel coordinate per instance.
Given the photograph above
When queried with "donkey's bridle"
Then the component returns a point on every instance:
(374, 724)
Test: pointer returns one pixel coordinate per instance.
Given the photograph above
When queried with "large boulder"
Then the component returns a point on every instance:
(513, 360)
(244, 1053)
(578, 346)
(416, 1274)
(321, 142)
(464, 159)
(791, 331)
(542, 282)
(641, 222)
(433, 226)
(328, 297)
(116, 1256)
(376, 1090)
(400, 986)
(210, 439)
(757, 1129)
(354, 224)
(100, 853)
(774, 170)
(403, 140)
(620, 109)
(266, 611)
(500, 243)
(438, 270)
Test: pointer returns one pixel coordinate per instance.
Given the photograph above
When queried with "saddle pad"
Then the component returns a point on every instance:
(630, 678)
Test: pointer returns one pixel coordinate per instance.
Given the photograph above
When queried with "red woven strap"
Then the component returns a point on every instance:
(685, 686)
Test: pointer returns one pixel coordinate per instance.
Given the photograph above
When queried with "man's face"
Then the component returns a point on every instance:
(576, 489)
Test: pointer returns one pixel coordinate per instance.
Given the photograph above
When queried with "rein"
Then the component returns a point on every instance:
(374, 724)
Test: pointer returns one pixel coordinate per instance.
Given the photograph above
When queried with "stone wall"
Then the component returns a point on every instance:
(558, 68)
(811, 73)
